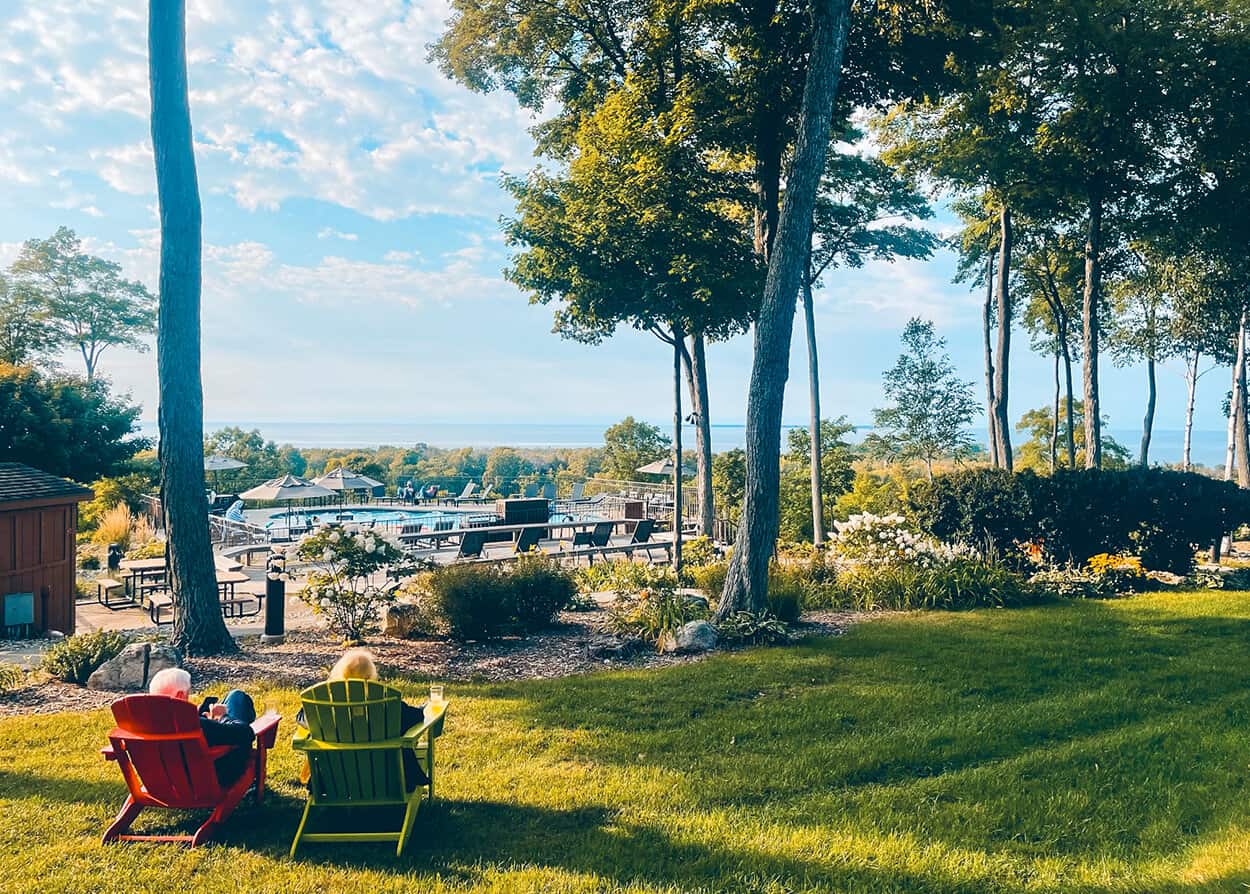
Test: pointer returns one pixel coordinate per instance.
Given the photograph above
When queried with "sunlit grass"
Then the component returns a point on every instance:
(1099, 746)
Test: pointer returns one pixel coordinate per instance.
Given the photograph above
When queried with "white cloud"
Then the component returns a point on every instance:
(331, 233)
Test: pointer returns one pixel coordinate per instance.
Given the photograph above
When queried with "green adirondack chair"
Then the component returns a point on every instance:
(355, 752)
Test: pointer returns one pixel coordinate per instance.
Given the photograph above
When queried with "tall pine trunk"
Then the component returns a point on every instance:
(987, 337)
(696, 380)
(1148, 423)
(1230, 455)
(1002, 416)
(813, 387)
(1054, 422)
(198, 627)
(1191, 389)
(1070, 407)
(1089, 331)
(1242, 429)
(678, 345)
(746, 582)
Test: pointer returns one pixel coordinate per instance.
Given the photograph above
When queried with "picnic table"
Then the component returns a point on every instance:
(143, 577)
(233, 604)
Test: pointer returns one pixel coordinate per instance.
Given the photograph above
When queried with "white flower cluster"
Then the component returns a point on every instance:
(886, 540)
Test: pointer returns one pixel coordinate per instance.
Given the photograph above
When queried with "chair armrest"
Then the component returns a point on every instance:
(265, 727)
(108, 753)
(307, 743)
(432, 727)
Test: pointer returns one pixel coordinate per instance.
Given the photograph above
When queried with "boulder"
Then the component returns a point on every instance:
(694, 636)
(134, 666)
(403, 619)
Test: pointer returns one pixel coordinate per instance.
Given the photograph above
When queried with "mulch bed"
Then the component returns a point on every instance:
(575, 646)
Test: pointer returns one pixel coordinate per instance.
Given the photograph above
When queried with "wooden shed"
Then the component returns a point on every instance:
(38, 528)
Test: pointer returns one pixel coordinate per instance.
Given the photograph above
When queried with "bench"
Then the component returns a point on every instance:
(157, 602)
(231, 606)
(246, 552)
(104, 587)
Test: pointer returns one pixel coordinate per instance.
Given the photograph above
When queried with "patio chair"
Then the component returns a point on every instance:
(528, 539)
(597, 537)
(579, 489)
(549, 490)
(355, 747)
(469, 490)
(643, 531)
(471, 545)
(166, 762)
(531, 491)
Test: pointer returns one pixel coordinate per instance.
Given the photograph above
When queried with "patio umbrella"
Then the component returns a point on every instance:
(663, 467)
(286, 489)
(342, 480)
(218, 463)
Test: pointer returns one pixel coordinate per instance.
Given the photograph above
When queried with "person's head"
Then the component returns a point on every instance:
(173, 682)
(356, 664)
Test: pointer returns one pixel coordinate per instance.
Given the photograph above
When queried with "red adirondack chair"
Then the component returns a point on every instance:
(166, 762)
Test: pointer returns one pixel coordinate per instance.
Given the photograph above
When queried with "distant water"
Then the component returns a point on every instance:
(1208, 445)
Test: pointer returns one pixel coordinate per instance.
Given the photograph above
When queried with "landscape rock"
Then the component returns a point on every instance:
(694, 636)
(134, 667)
(402, 620)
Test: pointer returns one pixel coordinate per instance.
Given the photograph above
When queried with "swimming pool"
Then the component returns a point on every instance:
(388, 518)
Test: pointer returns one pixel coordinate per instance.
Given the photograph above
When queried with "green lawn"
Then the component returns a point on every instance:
(1092, 747)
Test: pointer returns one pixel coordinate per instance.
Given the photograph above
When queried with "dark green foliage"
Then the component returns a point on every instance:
(788, 584)
(655, 615)
(74, 658)
(746, 627)
(64, 424)
(11, 676)
(1161, 515)
(484, 601)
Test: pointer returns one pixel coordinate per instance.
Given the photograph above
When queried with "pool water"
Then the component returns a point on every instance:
(391, 518)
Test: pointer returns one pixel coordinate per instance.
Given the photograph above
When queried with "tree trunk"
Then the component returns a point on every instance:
(746, 582)
(1230, 456)
(198, 627)
(987, 329)
(1002, 417)
(1070, 407)
(1089, 320)
(1242, 429)
(813, 386)
(678, 342)
(767, 126)
(1148, 423)
(1191, 387)
(1054, 422)
(696, 380)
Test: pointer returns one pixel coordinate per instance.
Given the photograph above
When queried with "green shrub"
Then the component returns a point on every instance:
(89, 561)
(698, 551)
(653, 615)
(151, 549)
(710, 578)
(1162, 515)
(788, 584)
(761, 629)
(957, 584)
(485, 601)
(623, 577)
(74, 658)
(11, 676)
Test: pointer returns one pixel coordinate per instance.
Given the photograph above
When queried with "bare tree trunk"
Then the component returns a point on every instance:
(1191, 388)
(1089, 319)
(746, 582)
(1241, 428)
(1054, 422)
(696, 380)
(678, 343)
(1230, 456)
(1070, 407)
(1148, 424)
(813, 387)
(1002, 416)
(198, 627)
(987, 328)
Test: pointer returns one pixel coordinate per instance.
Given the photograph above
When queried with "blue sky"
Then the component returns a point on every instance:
(352, 248)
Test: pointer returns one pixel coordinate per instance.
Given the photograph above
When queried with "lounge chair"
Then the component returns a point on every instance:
(531, 491)
(549, 490)
(578, 490)
(166, 762)
(471, 545)
(643, 531)
(528, 539)
(355, 750)
(597, 537)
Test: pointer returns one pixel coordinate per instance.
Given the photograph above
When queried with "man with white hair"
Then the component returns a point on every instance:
(228, 722)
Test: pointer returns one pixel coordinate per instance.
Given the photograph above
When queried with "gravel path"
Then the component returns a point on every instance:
(575, 646)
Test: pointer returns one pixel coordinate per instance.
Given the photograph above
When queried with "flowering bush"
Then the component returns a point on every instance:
(347, 585)
(886, 540)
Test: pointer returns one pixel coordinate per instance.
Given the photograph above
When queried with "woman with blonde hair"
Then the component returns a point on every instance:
(359, 664)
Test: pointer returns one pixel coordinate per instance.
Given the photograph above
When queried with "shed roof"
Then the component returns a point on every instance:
(20, 484)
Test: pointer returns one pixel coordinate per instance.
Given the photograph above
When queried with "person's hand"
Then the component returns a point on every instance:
(217, 712)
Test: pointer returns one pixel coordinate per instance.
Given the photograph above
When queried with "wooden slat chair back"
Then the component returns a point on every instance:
(166, 762)
(355, 747)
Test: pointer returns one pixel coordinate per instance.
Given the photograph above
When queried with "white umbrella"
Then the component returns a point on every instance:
(219, 463)
(663, 467)
(286, 489)
(343, 480)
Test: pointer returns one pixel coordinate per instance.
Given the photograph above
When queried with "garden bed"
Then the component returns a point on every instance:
(574, 646)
